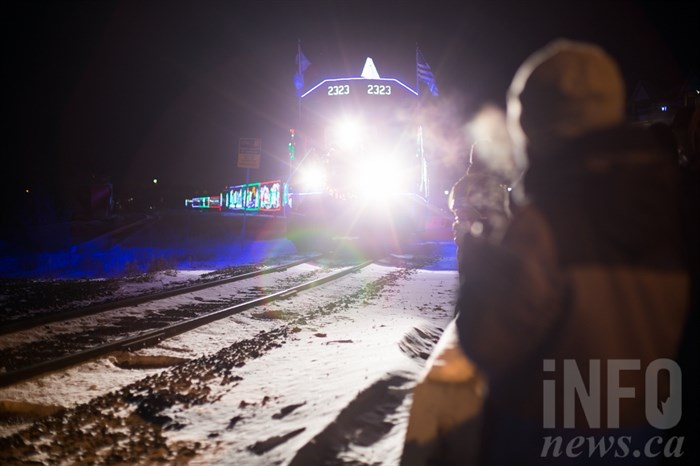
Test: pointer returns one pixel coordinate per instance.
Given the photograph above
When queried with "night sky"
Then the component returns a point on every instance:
(137, 90)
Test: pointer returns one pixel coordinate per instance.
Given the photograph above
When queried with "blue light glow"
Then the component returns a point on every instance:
(178, 240)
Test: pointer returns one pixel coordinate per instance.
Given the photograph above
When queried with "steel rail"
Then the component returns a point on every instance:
(58, 316)
(155, 336)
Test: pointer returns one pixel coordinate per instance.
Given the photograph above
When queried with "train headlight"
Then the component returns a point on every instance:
(378, 176)
(313, 178)
(347, 133)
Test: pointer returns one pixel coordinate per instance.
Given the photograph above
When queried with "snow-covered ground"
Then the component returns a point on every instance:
(160, 280)
(324, 376)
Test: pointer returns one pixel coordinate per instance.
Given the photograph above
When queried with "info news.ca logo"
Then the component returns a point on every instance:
(661, 414)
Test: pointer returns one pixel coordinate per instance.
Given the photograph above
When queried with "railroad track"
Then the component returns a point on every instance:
(153, 336)
(59, 316)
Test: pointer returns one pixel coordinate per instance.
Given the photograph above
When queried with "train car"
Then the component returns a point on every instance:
(266, 197)
(361, 171)
(204, 202)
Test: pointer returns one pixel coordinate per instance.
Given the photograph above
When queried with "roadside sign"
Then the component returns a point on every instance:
(249, 152)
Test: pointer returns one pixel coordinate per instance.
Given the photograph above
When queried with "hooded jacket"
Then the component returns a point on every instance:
(587, 288)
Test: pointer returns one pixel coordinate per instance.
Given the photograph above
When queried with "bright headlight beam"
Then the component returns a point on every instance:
(313, 177)
(348, 132)
(378, 176)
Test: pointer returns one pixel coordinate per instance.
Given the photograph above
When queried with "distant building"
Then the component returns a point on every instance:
(647, 105)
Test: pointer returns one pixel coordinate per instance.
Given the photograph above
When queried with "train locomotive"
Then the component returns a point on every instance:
(357, 168)
(361, 171)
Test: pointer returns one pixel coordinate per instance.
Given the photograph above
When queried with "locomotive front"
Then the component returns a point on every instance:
(361, 170)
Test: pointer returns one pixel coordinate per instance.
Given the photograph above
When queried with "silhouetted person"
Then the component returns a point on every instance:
(479, 201)
(587, 293)
(445, 414)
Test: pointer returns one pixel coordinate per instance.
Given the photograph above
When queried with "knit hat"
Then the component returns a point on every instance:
(563, 91)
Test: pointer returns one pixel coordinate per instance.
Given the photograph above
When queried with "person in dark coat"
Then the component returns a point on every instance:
(479, 200)
(445, 415)
(586, 296)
